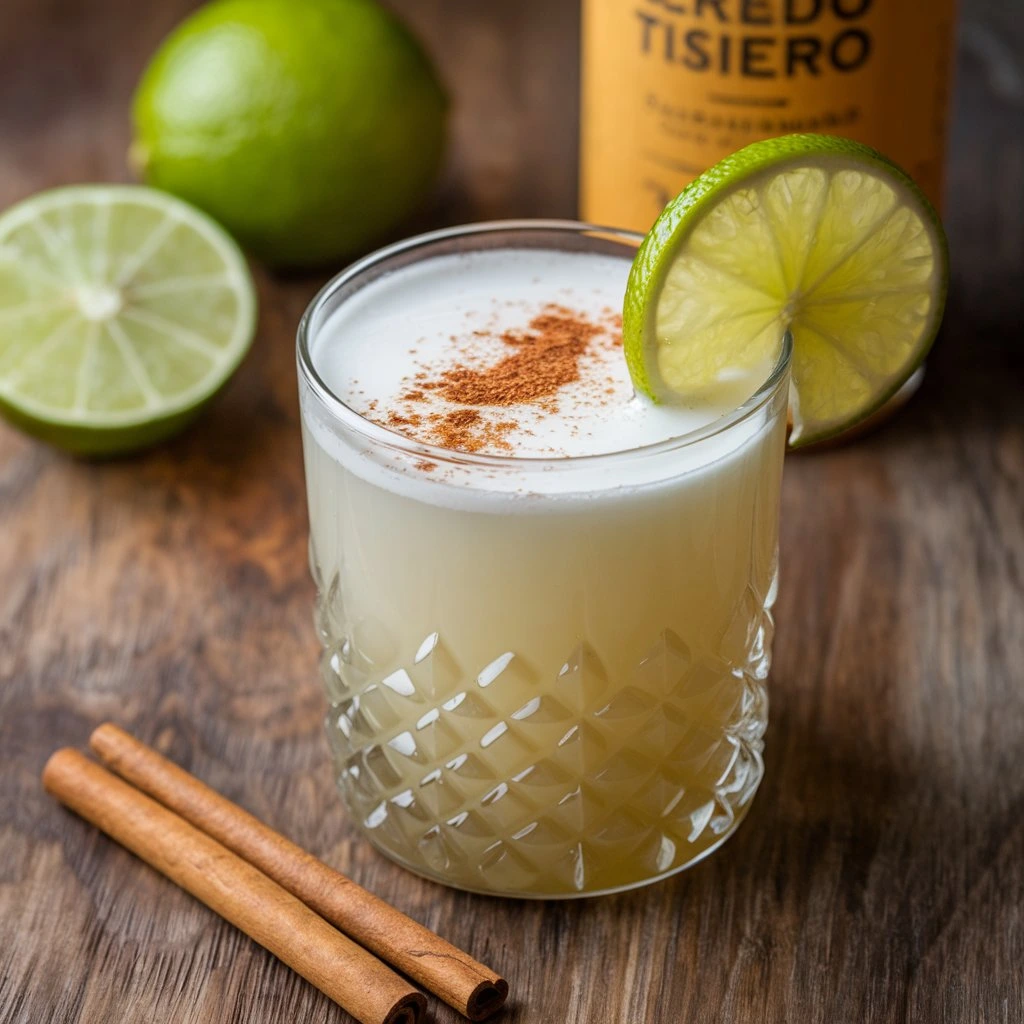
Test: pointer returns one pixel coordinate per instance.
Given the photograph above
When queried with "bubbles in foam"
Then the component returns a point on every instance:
(408, 328)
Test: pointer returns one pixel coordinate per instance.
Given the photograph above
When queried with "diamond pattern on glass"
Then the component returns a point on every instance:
(589, 783)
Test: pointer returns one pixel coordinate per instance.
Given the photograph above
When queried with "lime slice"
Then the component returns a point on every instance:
(813, 234)
(122, 312)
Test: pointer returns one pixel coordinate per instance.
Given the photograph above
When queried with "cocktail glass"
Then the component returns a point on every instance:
(546, 676)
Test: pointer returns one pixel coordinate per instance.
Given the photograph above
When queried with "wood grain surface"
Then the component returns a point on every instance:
(880, 874)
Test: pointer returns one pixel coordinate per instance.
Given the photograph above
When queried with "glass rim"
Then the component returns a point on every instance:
(382, 436)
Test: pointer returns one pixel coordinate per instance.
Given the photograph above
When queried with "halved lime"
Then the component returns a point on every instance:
(811, 233)
(122, 312)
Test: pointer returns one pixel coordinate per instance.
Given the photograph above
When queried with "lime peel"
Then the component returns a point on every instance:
(122, 312)
(819, 235)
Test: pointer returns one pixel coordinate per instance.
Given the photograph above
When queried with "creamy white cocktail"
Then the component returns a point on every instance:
(544, 600)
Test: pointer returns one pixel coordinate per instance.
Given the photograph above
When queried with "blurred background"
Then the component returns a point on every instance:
(70, 69)
(881, 873)
(511, 67)
(512, 72)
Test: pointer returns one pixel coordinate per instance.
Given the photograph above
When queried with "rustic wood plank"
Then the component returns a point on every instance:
(880, 875)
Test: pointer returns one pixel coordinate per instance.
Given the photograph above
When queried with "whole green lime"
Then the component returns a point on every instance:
(308, 128)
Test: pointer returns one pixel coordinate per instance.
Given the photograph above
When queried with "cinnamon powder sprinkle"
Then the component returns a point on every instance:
(545, 357)
(465, 430)
(413, 419)
(542, 358)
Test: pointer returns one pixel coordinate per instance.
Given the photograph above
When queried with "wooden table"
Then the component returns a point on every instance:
(880, 876)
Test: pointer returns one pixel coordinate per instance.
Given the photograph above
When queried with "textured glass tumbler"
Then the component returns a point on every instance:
(546, 677)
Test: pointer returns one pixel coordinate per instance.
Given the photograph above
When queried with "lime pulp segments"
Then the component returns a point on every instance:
(122, 311)
(813, 234)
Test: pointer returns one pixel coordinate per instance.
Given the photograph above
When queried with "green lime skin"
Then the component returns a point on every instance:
(308, 128)
(101, 443)
(670, 230)
(101, 231)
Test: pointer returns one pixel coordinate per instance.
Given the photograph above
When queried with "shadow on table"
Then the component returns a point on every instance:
(810, 880)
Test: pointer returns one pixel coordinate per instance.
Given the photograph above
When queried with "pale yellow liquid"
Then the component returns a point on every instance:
(552, 702)
(543, 681)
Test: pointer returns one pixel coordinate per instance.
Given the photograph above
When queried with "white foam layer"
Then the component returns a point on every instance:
(447, 309)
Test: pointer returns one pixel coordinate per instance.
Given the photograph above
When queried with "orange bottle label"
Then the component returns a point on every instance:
(672, 86)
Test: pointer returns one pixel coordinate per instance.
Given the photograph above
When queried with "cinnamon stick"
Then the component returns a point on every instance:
(239, 892)
(454, 976)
